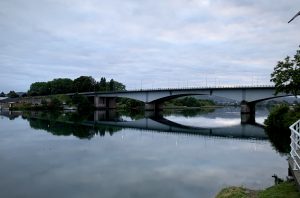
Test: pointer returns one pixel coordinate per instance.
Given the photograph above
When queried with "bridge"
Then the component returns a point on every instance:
(248, 96)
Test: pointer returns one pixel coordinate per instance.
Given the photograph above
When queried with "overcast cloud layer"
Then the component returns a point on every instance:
(145, 43)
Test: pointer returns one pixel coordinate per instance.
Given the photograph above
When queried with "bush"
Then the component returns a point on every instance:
(82, 103)
(277, 126)
(55, 104)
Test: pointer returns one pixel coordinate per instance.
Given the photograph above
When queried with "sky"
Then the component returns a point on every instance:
(145, 43)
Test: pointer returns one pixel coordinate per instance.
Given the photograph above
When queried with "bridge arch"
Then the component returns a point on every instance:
(154, 98)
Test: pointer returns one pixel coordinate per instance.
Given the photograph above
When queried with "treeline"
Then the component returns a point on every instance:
(190, 102)
(66, 85)
(11, 94)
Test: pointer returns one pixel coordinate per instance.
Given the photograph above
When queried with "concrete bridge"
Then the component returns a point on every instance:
(248, 96)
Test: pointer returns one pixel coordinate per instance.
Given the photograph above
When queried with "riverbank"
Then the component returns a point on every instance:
(287, 189)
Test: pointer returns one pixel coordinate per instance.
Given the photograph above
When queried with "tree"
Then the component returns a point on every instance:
(55, 104)
(39, 89)
(111, 85)
(12, 94)
(102, 84)
(61, 86)
(286, 75)
(82, 103)
(84, 84)
(119, 86)
(2, 94)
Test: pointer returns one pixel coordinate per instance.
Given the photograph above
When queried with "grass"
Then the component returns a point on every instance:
(286, 189)
(237, 192)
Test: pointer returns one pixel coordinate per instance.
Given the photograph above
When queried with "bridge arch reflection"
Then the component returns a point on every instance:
(109, 122)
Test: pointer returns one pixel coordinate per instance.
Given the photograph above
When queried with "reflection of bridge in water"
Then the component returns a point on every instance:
(161, 124)
(157, 124)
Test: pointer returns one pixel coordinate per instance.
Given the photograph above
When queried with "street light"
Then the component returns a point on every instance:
(294, 17)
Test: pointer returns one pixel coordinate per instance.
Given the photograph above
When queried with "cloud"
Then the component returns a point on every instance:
(168, 42)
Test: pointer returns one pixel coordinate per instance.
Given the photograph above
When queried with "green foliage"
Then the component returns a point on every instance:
(39, 89)
(84, 84)
(64, 99)
(277, 126)
(58, 124)
(126, 103)
(82, 103)
(190, 102)
(2, 94)
(233, 192)
(55, 104)
(66, 85)
(118, 86)
(12, 94)
(112, 85)
(287, 189)
(102, 85)
(286, 75)
(282, 190)
(60, 86)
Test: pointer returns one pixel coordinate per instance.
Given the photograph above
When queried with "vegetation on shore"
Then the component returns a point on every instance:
(66, 85)
(189, 102)
(277, 124)
(126, 103)
(287, 189)
(57, 103)
(286, 76)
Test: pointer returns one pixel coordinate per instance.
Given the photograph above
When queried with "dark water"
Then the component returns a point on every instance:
(182, 154)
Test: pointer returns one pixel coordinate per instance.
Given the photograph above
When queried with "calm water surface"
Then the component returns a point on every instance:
(178, 155)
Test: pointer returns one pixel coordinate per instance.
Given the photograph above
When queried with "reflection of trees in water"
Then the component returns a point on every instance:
(67, 124)
(134, 114)
(188, 112)
(280, 139)
(59, 116)
(278, 122)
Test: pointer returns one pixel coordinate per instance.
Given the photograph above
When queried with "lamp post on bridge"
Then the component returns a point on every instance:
(298, 14)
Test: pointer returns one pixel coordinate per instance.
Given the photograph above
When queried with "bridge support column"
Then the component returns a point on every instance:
(105, 102)
(153, 106)
(247, 112)
(104, 115)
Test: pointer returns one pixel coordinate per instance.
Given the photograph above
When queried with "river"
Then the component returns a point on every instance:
(113, 154)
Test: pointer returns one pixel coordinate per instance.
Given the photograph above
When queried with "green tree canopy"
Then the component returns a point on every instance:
(61, 85)
(84, 84)
(39, 89)
(12, 94)
(111, 85)
(66, 85)
(102, 84)
(286, 75)
(2, 94)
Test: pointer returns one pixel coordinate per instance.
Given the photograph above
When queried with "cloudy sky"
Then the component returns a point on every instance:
(145, 43)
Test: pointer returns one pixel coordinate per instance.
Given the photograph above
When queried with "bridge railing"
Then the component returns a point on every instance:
(202, 87)
(295, 144)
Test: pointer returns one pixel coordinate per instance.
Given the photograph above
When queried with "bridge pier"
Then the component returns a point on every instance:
(247, 112)
(105, 115)
(105, 102)
(153, 106)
